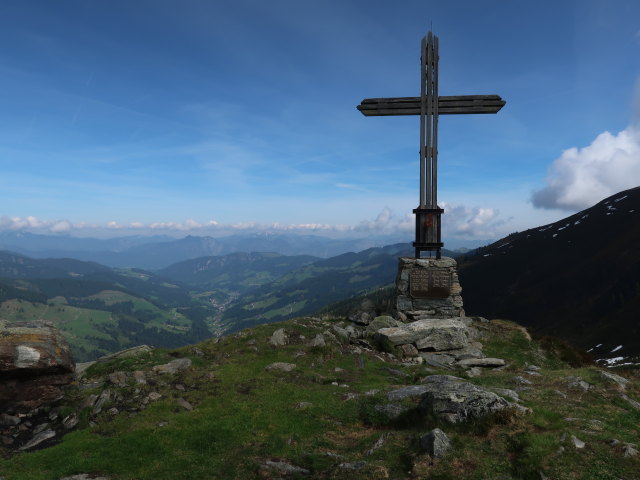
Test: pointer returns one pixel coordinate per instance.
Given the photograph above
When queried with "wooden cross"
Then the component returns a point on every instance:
(429, 106)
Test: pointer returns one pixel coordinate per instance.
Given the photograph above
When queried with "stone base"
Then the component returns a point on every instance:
(436, 295)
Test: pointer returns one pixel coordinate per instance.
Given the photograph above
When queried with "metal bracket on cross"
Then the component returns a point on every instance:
(429, 106)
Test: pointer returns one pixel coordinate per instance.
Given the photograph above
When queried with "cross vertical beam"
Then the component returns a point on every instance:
(428, 220)
(423, 113)
(434, 153)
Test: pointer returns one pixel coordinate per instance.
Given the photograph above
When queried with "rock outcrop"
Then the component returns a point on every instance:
(450, 398)
(437, 334)
(435, 443)
(35, 363)
(174, 366)
(35, 366)
(439, 342)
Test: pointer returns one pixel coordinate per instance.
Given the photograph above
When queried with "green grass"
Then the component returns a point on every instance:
(258, 278)
(160, 318)
(244, 416)
(261, 304)
(359, 278)
(285, 310)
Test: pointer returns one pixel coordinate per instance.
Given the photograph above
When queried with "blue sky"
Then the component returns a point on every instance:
(206, 117)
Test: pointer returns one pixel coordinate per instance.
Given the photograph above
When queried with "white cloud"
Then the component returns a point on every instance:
(185, 226)
(33, 223)
(306, 226)
(381, 222)
(407, 223)
(462, 222)
(458, 221)
(62, 226)
(350, 186)
(17, 223)
(472, 222)
(581, 177)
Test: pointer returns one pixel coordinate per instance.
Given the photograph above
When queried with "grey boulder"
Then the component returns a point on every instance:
(318, 341)
(435, 443)
(286, 468)
(435, 334)
(38, 439)
(482, 362)
(278, 338)
(340, 333)
(634, 403)
(127, 353)
(407, 392)
(577, 383)
(174, 366)
(456, 400)
(391, 411)
(438, 360)
(280, 366)
(383, 321)
(621, 382)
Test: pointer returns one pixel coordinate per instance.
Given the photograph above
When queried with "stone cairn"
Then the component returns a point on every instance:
(430, 325)
(429, 303)
(428, 288)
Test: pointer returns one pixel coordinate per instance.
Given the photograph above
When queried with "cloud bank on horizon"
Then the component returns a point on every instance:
(460, 223)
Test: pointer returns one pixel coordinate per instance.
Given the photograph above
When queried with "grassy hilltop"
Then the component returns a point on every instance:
(226, 417)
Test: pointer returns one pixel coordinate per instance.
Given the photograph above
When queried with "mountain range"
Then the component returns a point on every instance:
(156, 252)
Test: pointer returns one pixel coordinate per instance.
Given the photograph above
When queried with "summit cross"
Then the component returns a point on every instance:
(429, 106)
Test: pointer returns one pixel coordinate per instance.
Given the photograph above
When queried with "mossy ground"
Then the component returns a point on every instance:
(244, 416)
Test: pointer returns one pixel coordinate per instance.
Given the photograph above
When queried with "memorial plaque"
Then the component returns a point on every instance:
(425, 283)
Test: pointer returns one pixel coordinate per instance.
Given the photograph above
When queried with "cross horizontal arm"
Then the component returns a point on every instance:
(449, 105)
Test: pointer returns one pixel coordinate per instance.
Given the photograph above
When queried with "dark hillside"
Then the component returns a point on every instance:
(312, 287)
(578, 278)
(75, 278)
(13, 265)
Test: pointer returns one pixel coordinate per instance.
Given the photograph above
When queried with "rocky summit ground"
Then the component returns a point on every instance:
(317, 399)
